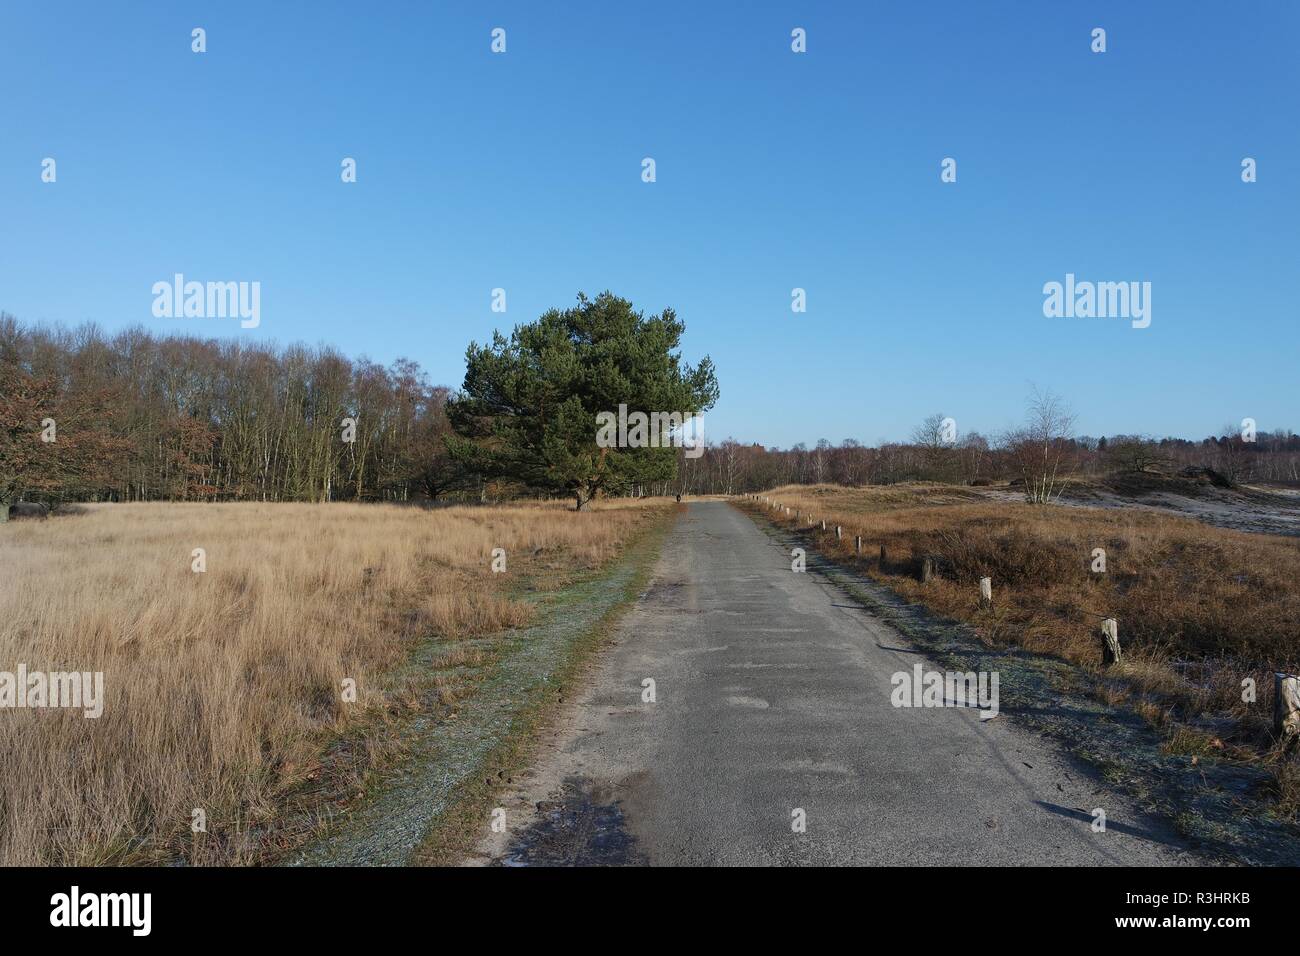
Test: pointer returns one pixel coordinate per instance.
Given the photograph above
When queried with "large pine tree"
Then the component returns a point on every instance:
(529, 406)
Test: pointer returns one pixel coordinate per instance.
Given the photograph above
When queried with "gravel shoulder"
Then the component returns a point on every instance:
(451, 765)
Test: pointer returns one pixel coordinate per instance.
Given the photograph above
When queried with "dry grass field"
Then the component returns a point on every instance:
(1200, 608)
(224, 689)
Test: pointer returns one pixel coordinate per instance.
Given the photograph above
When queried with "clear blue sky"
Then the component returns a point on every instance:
(775, 170)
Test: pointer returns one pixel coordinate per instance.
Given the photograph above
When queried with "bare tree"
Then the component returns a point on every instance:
(852, 461)
(1041, 452)
(1136, 453)
(973, 452)
(729, 452)
(820, 459)
(1233, 456)
(937, 447)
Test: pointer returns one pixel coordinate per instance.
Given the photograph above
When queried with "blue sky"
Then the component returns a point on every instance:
(775, 170)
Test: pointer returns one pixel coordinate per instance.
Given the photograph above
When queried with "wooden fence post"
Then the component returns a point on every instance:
(1110, 650)
(927, 569)
(1286, 704)
(986, 592)
(838, 533)
(857, 544)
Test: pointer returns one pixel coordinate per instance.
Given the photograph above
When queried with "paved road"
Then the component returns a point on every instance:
(773, 695)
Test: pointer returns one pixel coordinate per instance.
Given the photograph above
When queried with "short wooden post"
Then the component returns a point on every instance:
(1110, 650)
(882, 557)
(1286, 704)
(986, 592)
(857, 544)
(927, 569)
(839, 534)
(823, 524)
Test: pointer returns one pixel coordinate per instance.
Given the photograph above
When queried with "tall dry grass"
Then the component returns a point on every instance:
(1199, 608)
(224, 688)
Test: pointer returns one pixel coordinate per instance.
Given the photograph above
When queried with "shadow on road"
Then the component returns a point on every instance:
(1085, 817)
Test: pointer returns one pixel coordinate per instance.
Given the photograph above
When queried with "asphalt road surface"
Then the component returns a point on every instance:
(773, 705)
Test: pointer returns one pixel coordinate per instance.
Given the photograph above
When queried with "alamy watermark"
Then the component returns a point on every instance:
(179, 299)
(130, 910)
(83, 690)
(922, 688)
(626, 429)
(1100, 300)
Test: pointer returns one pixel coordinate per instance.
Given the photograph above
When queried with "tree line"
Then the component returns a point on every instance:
(140, 417)
(733, 467)
(136, 416)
